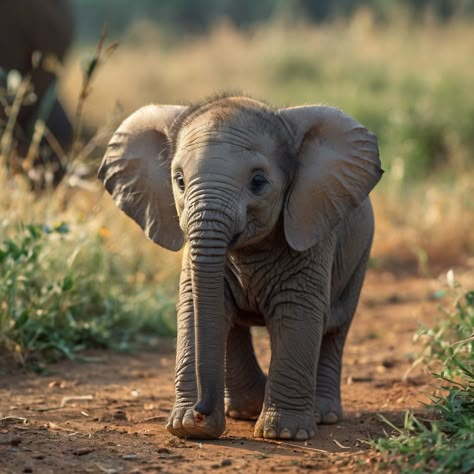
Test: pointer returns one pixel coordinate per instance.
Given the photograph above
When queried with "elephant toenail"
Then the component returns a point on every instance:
(301, 435)
(177, 424)
(317, 418)
(312, 433)
(233, 414)
(269, 433)
(285, 433)
(331, 418)
(188, 422)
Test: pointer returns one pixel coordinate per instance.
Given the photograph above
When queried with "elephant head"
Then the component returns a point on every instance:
(226, 175)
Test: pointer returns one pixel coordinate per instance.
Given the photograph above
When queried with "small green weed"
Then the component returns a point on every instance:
(443, 443)
(450, 345)
(61, 293)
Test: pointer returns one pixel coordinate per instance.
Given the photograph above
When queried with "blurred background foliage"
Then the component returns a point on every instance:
(198, 16)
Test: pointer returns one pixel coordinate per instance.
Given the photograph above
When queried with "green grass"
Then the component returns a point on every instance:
(441, 442)
(449, 346)
(62, 292)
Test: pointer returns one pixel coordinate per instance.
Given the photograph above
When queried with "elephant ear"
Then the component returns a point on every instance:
(338, 165)
(136, 171)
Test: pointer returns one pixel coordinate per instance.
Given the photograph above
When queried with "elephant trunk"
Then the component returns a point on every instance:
(208, 247)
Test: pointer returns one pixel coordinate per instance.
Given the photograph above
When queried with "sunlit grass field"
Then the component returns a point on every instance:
(411, 84)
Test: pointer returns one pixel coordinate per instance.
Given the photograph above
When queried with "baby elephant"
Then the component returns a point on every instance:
(272, 208)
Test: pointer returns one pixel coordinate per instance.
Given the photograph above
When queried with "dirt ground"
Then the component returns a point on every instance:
(108, 415)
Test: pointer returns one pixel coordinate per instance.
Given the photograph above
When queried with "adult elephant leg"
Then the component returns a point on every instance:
(50, 162)
(60, 126)
(328, 407)
(244, 379)
(57, 147)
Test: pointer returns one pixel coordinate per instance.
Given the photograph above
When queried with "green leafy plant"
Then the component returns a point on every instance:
(443, 440)
(62, 289)
(450, 344)
(61, 292)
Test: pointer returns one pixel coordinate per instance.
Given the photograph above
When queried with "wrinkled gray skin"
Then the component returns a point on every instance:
(272, 207)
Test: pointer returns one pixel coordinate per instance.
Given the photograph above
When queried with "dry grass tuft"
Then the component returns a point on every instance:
(428, 228)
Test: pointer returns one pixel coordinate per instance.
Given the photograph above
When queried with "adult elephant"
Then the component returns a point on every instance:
(43, 29)
(273, 207)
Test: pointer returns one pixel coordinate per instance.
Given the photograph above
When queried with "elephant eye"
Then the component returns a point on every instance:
(258, 184)
(179, 180)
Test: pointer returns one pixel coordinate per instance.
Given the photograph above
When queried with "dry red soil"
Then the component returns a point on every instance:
(109, 415)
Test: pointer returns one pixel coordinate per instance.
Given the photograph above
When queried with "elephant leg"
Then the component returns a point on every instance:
(182, 421)
(244, 379)
(295, 335)
(328, 407)
(61, 129)
(59, 124)
(49, 166)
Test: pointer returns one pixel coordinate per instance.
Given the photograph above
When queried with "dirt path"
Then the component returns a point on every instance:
(118, 424)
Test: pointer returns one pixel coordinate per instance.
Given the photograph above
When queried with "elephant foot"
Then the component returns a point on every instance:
(328, 411)
(285, 424)
(184, 422)
(245, 405)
